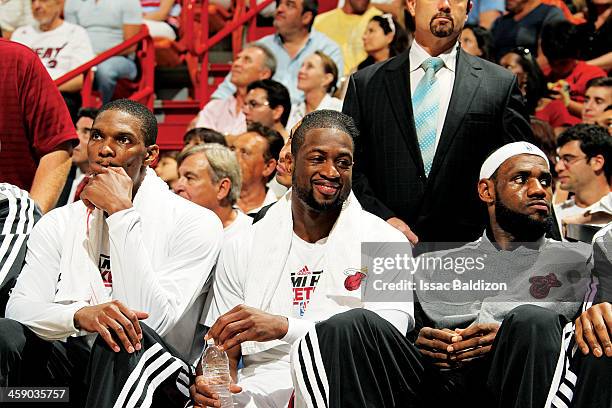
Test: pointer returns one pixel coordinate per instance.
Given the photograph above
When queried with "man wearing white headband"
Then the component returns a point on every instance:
(494, 310)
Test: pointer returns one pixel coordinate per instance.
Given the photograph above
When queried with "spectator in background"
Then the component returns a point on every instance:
(584, 167)
(522, 25)
(560, 45)
(383, 38)
(530, 79)
(605, 119)
(108, 23)
(200, 135)
(36, 134)
(535, 93)
(167, 168)
(161, 17)
(477, 41)
(596, 34)
(597, 98)
(61, 46)
(484, 12)
(268, 102)
(317, 78)
(292, 43)
(80, 164)
(209, 175)
(257, 151)
(13, 14)
(226, 115)
(284, 164)
(346, 26)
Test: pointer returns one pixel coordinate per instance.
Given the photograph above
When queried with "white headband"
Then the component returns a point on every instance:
(389, 18)
(498, 157)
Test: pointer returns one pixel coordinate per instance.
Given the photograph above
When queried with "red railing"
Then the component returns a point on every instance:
(201, 43)
(145, 58)
(194, 45)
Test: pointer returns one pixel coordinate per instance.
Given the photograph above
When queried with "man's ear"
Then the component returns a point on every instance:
(307, 18)
(265, 74)
(277, 112)
(410, 5)
(151, 155)
(486, 191)
(289, 162)
(597, 162)
(223, 189)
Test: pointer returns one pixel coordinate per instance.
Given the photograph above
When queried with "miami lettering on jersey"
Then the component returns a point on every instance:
(304, 283)
(104, 266)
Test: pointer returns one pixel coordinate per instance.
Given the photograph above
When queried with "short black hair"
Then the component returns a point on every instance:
(274, 139)
(323, 119)
(148, 123)
(206, 135)
(593, 139)
(278, 95)
(604, 82)
(308, 5)
(400, 36)
(560, 40)
(90, 113)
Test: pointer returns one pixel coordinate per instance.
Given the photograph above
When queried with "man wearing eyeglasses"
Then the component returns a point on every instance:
(225, 115)
(268, 102)
(584, 167)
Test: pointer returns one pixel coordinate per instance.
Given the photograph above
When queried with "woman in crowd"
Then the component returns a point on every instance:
(529, 77)
(477, 40)
(384, 38)
(317, 78)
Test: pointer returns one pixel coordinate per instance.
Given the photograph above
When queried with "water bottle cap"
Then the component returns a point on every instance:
(210, 342)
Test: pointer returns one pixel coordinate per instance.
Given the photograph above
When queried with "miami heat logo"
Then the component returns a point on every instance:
(354, 278)
(541, 285)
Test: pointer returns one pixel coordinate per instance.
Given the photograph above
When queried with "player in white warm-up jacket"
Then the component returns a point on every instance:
(110, 276)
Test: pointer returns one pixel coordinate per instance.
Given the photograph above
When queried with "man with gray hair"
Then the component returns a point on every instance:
(209, 175)
(225, 115)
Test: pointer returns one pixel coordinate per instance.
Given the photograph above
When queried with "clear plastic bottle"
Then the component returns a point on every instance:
(215, 369)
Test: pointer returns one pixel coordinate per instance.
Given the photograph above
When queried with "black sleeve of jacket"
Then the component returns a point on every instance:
(361, 185)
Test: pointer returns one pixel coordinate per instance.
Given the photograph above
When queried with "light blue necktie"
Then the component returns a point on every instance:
(425, 103)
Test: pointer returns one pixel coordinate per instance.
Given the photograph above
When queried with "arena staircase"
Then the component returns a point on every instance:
(177, 78)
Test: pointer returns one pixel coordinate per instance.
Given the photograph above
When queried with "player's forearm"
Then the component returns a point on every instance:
(50, 178)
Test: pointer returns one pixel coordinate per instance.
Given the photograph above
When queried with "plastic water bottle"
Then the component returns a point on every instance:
(215, 369)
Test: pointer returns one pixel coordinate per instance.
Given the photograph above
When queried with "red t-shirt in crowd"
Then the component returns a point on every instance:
(34, 119)
(579, 77)
(556, 115)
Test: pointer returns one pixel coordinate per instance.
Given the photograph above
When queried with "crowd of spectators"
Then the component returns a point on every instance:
(447, 129)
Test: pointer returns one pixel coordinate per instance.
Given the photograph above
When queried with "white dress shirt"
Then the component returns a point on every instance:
(445, 78)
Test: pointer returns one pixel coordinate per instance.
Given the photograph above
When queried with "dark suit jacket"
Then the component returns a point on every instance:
(485, 111)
